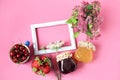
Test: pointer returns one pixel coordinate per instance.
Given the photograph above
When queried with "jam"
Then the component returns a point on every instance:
(65, 63)
(85, 51)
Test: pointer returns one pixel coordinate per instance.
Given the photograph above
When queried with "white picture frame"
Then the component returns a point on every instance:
(50, 24)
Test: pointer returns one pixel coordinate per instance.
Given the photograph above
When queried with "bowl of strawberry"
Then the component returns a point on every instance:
(41, 65)
(19, 53)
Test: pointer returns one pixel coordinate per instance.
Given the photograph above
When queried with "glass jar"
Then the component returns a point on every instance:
(85, 51)
(65, 62)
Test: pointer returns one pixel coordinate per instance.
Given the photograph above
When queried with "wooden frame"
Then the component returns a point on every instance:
(50, 24)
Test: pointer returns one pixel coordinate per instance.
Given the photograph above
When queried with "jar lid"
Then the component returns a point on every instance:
(87, 44)
(63, 56)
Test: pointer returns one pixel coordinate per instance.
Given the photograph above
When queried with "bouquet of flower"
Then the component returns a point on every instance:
(86, 19)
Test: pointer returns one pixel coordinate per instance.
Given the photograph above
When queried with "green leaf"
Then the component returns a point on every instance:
(89, 33)
(69, 21)
(39, 61)
(90, 26)
(48, 61)
(98, 9)
(87, 13)
(34, 69)
(40, 72)
(75, 13)
(43, 74)
(89, 7)
(37, 58)
(72, 20)
(76, 34)
(42, 48)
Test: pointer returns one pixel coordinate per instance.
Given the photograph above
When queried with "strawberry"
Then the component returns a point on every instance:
(35, 64)
(41, 64)
(46, 69)
(43, 58)
(41, 67)
(46, 64)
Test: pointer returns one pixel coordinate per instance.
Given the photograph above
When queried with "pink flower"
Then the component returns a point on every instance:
(89, 19)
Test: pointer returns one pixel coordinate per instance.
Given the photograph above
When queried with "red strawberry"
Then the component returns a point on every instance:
(41, 67)
(46, 69)
(46, 64)
(35, 64)
(43, 58)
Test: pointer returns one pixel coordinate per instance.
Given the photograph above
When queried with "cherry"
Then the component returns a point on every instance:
(23, 58)
(21, 47)
(15, 60)
(12, 53)
(16, 46)
(24, 50)
(18, 55)
(21, 53)
(16, 51)
(26, 54)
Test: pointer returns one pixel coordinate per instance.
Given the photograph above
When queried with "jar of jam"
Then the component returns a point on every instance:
(85, 51)
(65, 62)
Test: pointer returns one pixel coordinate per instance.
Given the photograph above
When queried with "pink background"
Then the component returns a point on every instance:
(16, 16)
(45, 35)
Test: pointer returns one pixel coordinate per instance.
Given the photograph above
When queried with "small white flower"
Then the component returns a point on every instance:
(55, 45)
(87, 44)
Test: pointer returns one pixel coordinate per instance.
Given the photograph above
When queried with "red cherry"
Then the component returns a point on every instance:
(23, 58)
(26, 54)
(15, 60)
(21, 53)
(18, 55)
(21, 47)
(24, 50)
(16, 51)
(12, 53)
(46, 69)
(16, 46)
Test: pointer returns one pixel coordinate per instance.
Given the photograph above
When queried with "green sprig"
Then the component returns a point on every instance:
(76, 34)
